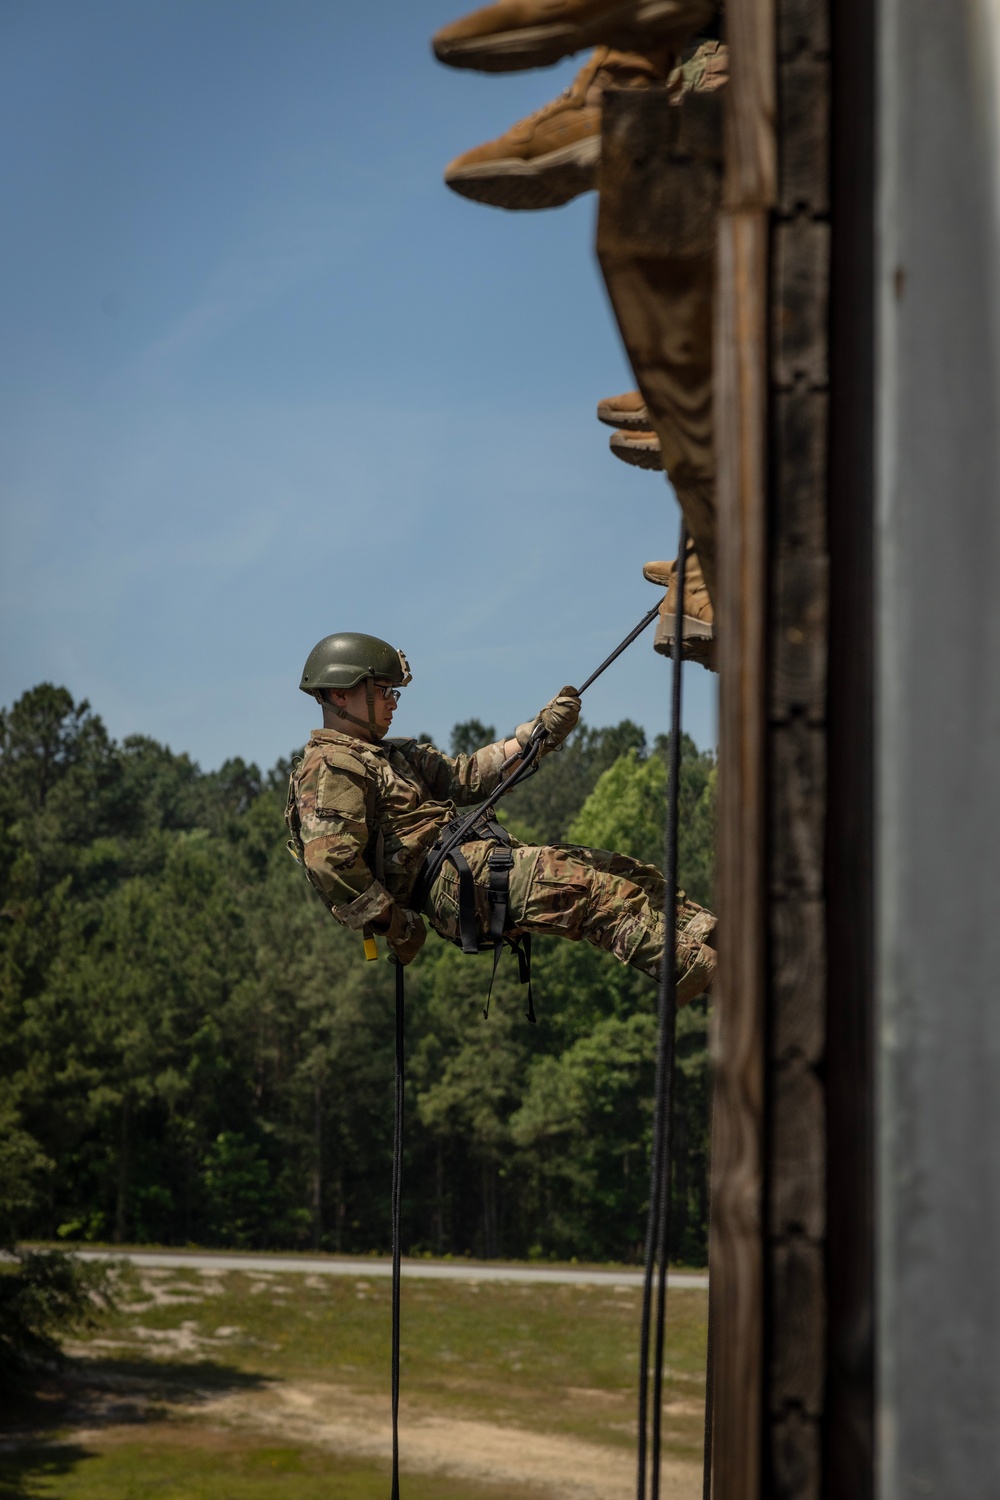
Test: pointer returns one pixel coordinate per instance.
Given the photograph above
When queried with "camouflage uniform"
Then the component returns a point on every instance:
(365, 815)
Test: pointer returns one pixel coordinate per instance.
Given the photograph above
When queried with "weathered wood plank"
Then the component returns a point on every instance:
(660, 175)
(800, 304)
(803, 25)
(751, 154)
(799, 457)
(798, 641)
(798, 965)
(797, 1321)
(797, 797)
(737, 1148)
(804, 123)
(797, 1200)
(794, 1457)
(798, 645)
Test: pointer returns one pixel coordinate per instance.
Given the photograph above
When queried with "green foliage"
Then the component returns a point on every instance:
(44, 1294)
(469, 735)
(627, 810)
(192, 1051)
(547, 803)
(23, 1170)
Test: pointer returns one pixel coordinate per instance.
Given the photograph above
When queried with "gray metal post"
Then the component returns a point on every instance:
(938, 749)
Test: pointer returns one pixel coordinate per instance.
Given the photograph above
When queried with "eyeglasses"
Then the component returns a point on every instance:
(391, 694)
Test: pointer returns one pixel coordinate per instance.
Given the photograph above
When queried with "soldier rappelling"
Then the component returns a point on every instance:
(366, 814)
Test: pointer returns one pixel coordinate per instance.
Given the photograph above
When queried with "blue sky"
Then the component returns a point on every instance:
(264, 377)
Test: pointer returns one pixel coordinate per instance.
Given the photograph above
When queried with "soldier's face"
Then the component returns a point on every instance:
(384, 707)
(355, 700)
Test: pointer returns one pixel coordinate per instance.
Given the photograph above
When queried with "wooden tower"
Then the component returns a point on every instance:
(804, 270)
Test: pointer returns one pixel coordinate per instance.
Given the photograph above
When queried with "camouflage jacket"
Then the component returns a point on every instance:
(363, 816)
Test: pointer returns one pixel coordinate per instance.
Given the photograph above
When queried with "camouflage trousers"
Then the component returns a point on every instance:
(563, 890)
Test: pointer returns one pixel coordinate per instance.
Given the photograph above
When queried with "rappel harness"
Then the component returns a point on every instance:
(500, 862)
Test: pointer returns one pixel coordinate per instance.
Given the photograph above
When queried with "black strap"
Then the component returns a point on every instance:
(467, 928)
(522, 947)
(397, 1179)
(500, 861)
(464, 830)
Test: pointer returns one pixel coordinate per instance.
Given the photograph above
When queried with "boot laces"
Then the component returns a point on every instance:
(581, 83)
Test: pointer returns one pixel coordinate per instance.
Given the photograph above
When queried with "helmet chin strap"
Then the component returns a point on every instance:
(375, 730)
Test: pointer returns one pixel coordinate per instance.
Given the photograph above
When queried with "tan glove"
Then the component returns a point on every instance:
(558, 718)
(406, 934)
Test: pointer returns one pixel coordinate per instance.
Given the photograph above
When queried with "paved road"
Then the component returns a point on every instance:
(370, 1266)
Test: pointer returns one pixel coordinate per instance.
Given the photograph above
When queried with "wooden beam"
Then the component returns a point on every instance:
(796, 1151)
(741, 418)
(737, 1162)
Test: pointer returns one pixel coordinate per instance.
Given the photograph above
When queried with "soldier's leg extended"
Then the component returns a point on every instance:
(607, 899)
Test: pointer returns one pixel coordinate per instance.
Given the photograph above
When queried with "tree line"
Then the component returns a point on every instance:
(192, 1051)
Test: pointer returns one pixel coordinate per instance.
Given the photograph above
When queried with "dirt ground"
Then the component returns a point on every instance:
(510, 1393)
(334, 1418)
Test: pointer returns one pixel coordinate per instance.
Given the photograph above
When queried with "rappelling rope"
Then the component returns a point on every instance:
(658, 1225)
(706, 1481)
(518, 769)
(397, 1183)
(513, 771)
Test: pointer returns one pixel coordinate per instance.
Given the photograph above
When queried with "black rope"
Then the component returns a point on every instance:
(658, 1226)
(706, 1481)
(518, 769)
(647, 619)
(397, 1180)
(513, 771)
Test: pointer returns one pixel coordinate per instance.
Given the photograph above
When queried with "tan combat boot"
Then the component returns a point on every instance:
(698, 639)
(641, 449)
(552, 156)
(627, 412)
(515, 34)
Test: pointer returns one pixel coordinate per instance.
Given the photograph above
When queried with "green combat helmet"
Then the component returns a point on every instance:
(343, 660)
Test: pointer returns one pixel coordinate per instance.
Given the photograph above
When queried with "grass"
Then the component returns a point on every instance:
(541, 1358)
(508, 1352)
(164, 1464)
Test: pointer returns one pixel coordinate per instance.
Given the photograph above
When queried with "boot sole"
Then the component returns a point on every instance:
(640, 458)
(697, 642)
(546, 182)
(626, 27)
(628, 420)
